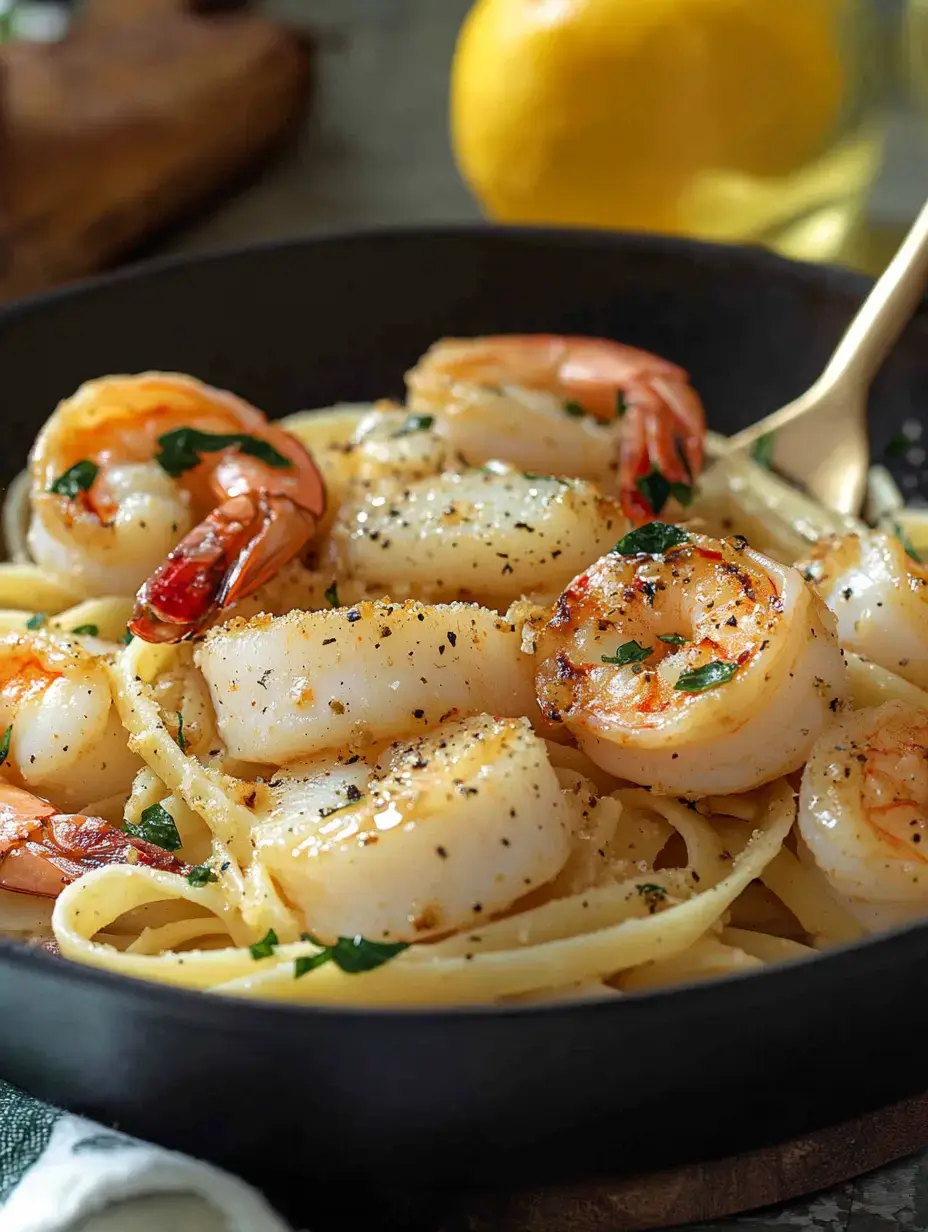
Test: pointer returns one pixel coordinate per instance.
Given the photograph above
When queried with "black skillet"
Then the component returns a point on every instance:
(286, 1095)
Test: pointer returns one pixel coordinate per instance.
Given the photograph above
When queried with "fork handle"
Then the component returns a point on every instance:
(884, 313)
(878, 324)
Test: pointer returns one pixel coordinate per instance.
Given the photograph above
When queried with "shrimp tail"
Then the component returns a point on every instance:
(61, 847)
(238, 547)
(663, 431)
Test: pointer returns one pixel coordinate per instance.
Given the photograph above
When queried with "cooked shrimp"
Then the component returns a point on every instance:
(125, 467)
(481, 535)
(663, 421)
(286, 687)
(435, 834)
(359, 448)
(863, 812)
(63, 735)
(42, 850)
(879, 595)
(691, 665)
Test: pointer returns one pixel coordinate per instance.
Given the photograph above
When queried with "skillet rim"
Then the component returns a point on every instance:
(174, 1000)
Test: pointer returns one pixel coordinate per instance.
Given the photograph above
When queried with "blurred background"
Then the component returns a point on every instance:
(137, 127)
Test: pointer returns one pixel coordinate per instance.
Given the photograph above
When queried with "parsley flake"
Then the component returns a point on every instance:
(907, 544)
(709, 676)
(180, 738)
(657, 490)
(126, 637)
(200, 875)
(672, 639)
(36, 621)
(762, 450)
(647, 888)
(77, 478)
(654, 539)
(574, 409)
(156, 826)
(5, 744)
(414, 423)
(621, 406)
(353, 955)
(630, 652)
(330, 594)
(265, 947)
(87, 630)
(180, 449)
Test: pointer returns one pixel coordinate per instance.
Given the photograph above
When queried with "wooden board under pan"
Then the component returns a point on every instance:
(140, 114)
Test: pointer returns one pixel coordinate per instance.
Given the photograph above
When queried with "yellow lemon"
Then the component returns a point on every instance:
(602, 112)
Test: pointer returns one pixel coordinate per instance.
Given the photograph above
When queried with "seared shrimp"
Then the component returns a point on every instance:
(879, 594)
(435, 834)
(42, 850)
(124, 468)
(284, 688)
(662, 418)
(863, 812)
(61, 731)
(691, 665)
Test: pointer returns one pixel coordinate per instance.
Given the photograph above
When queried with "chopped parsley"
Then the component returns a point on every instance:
(181, 741)
(897, 446)
(709, 676)
(77, 478)
(36, 621)
(87, 630)
(654, 539)
(647, 888)
(672, 639)
(762, 450)
(574, 409)
(415, 423)
(265, 947)
(330, 594)
(309, 962)
(907, 544)
(5, 744)
(126, 637)
(353, 955)
(621, 406)
(180, 449)
(200, 875)
(156, 826)
(630, 652)
(657, 490)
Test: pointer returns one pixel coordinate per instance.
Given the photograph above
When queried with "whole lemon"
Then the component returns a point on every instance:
(602, 112)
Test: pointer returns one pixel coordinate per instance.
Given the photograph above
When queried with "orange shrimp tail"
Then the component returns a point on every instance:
(663, 432)
(665, 422)
(61, 848)
(241, 545)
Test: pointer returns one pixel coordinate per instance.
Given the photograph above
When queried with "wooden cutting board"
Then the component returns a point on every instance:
(710, 1191)
(146, 110)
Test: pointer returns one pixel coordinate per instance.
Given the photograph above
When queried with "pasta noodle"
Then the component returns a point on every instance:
(341, 753)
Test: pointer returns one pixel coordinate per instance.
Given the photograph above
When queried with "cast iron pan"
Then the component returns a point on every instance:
(393, 1099)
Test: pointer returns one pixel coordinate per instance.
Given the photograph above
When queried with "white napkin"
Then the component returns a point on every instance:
(57, 1170)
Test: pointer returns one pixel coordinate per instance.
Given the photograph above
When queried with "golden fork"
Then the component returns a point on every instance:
(820, 440)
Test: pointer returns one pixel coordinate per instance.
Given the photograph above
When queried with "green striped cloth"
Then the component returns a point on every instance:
(57, 1169)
